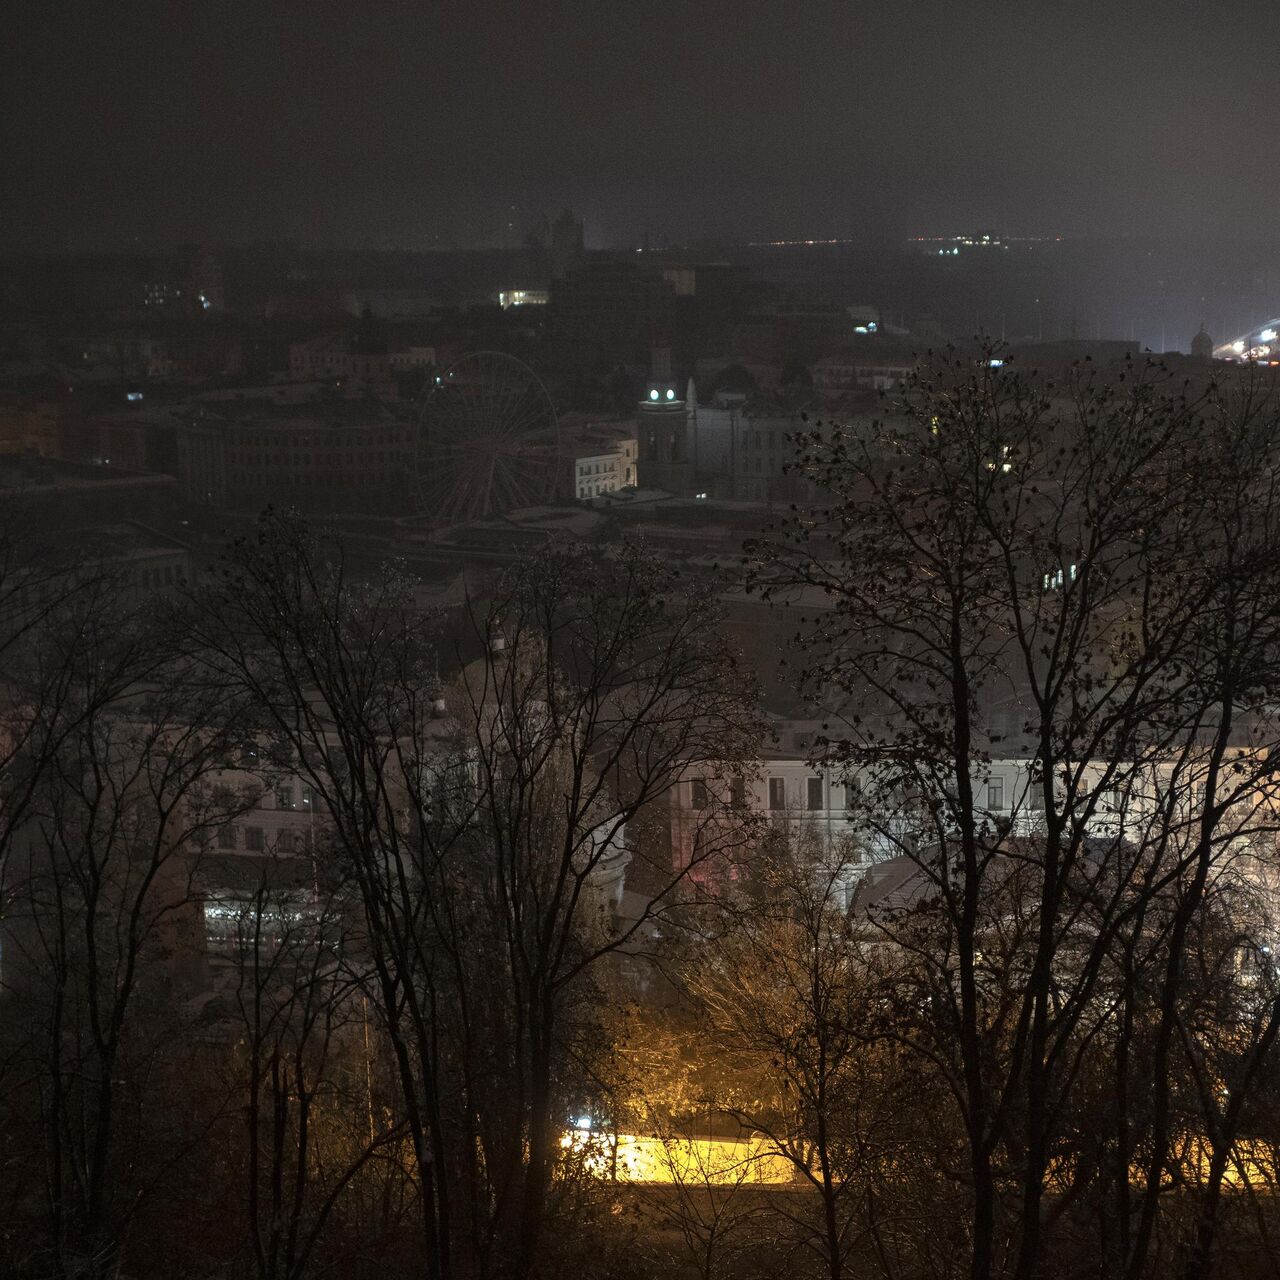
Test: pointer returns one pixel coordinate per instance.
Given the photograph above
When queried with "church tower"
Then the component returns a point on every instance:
(662, 430)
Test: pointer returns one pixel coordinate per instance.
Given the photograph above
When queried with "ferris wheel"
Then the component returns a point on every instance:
(487, 440)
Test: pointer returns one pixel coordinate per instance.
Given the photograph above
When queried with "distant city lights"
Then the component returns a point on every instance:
(508, 298)
(784, 244)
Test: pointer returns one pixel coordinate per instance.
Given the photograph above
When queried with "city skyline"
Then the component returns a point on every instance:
(405, 128)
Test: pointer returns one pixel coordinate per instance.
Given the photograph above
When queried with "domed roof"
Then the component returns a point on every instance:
(1202, 345)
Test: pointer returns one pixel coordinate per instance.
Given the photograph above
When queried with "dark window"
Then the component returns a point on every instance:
(227, 837)
(815, 793)
(253, 839)
(699, 793)
(777, 793)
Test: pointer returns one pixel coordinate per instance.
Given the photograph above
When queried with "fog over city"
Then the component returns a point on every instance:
(426, 126)
(639, 642)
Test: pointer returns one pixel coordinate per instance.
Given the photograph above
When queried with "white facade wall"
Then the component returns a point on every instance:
(842, 813)
(599, 473)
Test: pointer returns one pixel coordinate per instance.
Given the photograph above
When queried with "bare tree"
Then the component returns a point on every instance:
(312, 1123)
(1081, 577)
(484, 839)
(788, 996)
(98, 921)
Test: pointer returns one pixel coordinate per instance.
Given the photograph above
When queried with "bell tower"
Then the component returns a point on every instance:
(662, 429)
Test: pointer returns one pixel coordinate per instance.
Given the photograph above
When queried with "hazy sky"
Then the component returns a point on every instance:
(380, 123)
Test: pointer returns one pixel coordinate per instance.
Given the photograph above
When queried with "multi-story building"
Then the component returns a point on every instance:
(878, 371)
(331, 359)
(315, 457)
(855, 820)
(603, 464)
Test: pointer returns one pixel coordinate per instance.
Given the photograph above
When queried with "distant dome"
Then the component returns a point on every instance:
(1202, 345)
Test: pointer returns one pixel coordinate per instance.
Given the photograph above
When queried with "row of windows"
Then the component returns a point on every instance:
(256, 840)
(231, 924)
(336, 456)
(815, 794)
(334, 450)
(326, 480)
(764, 439)
(289, 797)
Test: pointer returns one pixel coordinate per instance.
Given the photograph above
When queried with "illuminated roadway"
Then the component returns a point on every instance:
(1262, 343)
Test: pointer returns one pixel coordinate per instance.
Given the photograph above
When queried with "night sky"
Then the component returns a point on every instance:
(149, 122)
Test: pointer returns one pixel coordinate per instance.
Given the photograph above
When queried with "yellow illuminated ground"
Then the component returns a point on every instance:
(723, 1162)
(629, 1157)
